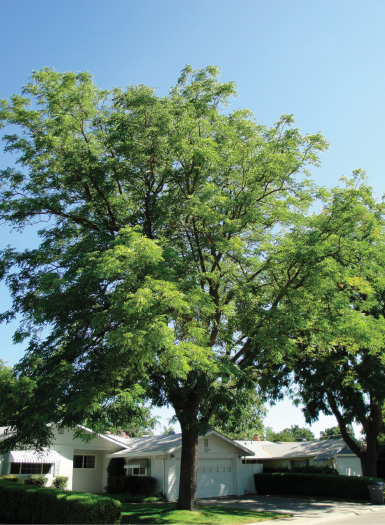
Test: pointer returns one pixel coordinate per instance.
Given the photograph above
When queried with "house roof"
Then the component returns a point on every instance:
(318, 450)
(161, 445)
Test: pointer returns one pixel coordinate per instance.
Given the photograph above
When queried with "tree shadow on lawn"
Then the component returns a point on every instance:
(208, 514)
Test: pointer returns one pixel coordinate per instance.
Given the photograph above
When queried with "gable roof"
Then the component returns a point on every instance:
(162, 445)
(318, 450)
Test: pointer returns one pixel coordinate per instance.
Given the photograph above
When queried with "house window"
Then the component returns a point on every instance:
(138, 467)
(81, 461)
(30, 468)
(206, 443)
(137, 471)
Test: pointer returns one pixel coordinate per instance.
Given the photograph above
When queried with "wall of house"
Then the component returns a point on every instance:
(158, 472)
(348, 465)
(214, 457)
(248, 471)
(4, 464)
(90, 480)
(300, 462)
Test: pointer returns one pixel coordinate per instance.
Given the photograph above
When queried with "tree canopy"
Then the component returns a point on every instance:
(175, 240)
(339, 364)
(294, 433)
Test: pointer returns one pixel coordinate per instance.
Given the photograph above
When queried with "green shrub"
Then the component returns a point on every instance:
(143, 485)
(12, 477)
(60, 482)
(115, 475)
(324, 485)
(36, 479)
(306, 469)
(30, 504)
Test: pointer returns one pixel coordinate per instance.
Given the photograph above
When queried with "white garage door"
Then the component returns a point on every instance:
(215, 478)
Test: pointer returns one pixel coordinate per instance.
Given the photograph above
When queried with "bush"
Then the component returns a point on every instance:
(30, 504)
(325, 485)
(60, 482)
(306, 469)
(115, 475)
(12, 477)
(36, 479)
(143, 485)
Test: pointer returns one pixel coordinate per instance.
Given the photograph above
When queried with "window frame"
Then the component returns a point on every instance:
(30, 468)
(83, 456)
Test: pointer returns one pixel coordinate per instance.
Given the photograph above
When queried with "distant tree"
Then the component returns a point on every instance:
(168, 431)
(335, 431)
(294, 433)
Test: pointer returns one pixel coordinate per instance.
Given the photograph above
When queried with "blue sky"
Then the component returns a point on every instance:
(322, 61)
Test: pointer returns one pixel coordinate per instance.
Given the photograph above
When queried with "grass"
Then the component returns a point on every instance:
(208, 514)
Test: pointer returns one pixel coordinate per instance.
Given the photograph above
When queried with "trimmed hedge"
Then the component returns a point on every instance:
(143, 485)
(307, 469)
(27, 504)
(325, 485)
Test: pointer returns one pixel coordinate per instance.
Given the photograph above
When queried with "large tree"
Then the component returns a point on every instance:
(162, 265)
(339, 366)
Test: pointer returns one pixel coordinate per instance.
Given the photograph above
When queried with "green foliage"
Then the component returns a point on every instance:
(35, 479)
(175, 239)
(307, 469)
(139, 485)
(320, 485)
(60, 482)
(244, 418)
(338, 363)
(115, 475)
(168, 431)
(23, 504)
(335, 432)
(13, 478)
(294, 433)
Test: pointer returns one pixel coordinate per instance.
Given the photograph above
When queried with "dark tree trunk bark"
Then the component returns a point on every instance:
(372, 428)
(188, 469)
(369, 459)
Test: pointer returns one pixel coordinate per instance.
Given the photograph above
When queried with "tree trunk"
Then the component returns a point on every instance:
(369, 459)
(188, 470)
(372, 428)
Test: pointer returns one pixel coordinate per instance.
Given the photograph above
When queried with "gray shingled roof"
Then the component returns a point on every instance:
(318, 450)
(161, 445)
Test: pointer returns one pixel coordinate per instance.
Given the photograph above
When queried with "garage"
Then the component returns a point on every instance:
(219, 465)
(215, 478)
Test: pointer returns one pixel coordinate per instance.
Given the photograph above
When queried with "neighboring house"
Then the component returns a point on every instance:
(220, 468)
(330, 452)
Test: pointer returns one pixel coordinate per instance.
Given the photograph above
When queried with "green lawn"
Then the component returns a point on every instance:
(208, 514)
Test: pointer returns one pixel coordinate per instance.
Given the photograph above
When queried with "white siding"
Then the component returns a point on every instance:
(348, 465)
(248, 471)
(89, 479)
(214, 482)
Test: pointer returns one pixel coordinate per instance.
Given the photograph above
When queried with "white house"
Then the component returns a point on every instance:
(220, 468)
(329, 452)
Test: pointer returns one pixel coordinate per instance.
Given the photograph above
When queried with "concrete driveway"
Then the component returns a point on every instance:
(304, 510)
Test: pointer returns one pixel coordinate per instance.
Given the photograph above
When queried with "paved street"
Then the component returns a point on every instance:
(306, 511)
